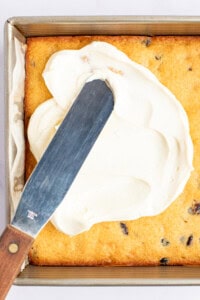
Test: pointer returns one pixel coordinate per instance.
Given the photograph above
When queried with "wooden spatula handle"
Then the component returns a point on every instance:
(14, 246)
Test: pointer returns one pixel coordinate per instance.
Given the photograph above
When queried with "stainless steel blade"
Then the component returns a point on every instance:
(64, 157)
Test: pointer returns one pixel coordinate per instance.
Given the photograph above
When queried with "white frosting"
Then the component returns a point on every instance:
(143, 157)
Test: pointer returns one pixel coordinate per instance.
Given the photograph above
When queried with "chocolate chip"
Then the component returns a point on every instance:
(164, 242)
(195, 208)
(189, 240)
(147, 42)
(158, 57)
(190, 69)
(164, 261)
(124, 228)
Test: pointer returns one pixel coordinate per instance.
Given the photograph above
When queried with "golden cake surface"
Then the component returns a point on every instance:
(169, 238)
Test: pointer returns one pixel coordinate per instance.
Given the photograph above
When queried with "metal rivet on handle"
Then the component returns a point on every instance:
(13, 248)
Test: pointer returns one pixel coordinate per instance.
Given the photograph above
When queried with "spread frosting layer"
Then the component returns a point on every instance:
(143, 157)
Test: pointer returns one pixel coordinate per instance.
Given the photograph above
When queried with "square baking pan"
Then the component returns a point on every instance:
(23, 27)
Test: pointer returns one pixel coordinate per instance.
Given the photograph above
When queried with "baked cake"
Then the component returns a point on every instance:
(170, 238)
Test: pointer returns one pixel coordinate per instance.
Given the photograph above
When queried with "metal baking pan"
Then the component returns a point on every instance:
(23, 27)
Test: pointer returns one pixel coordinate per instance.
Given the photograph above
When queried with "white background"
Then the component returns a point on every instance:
(9, 8)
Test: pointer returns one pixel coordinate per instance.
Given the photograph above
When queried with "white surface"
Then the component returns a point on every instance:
(11, 8)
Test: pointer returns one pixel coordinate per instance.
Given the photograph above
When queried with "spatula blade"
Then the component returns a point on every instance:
(64, 157)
